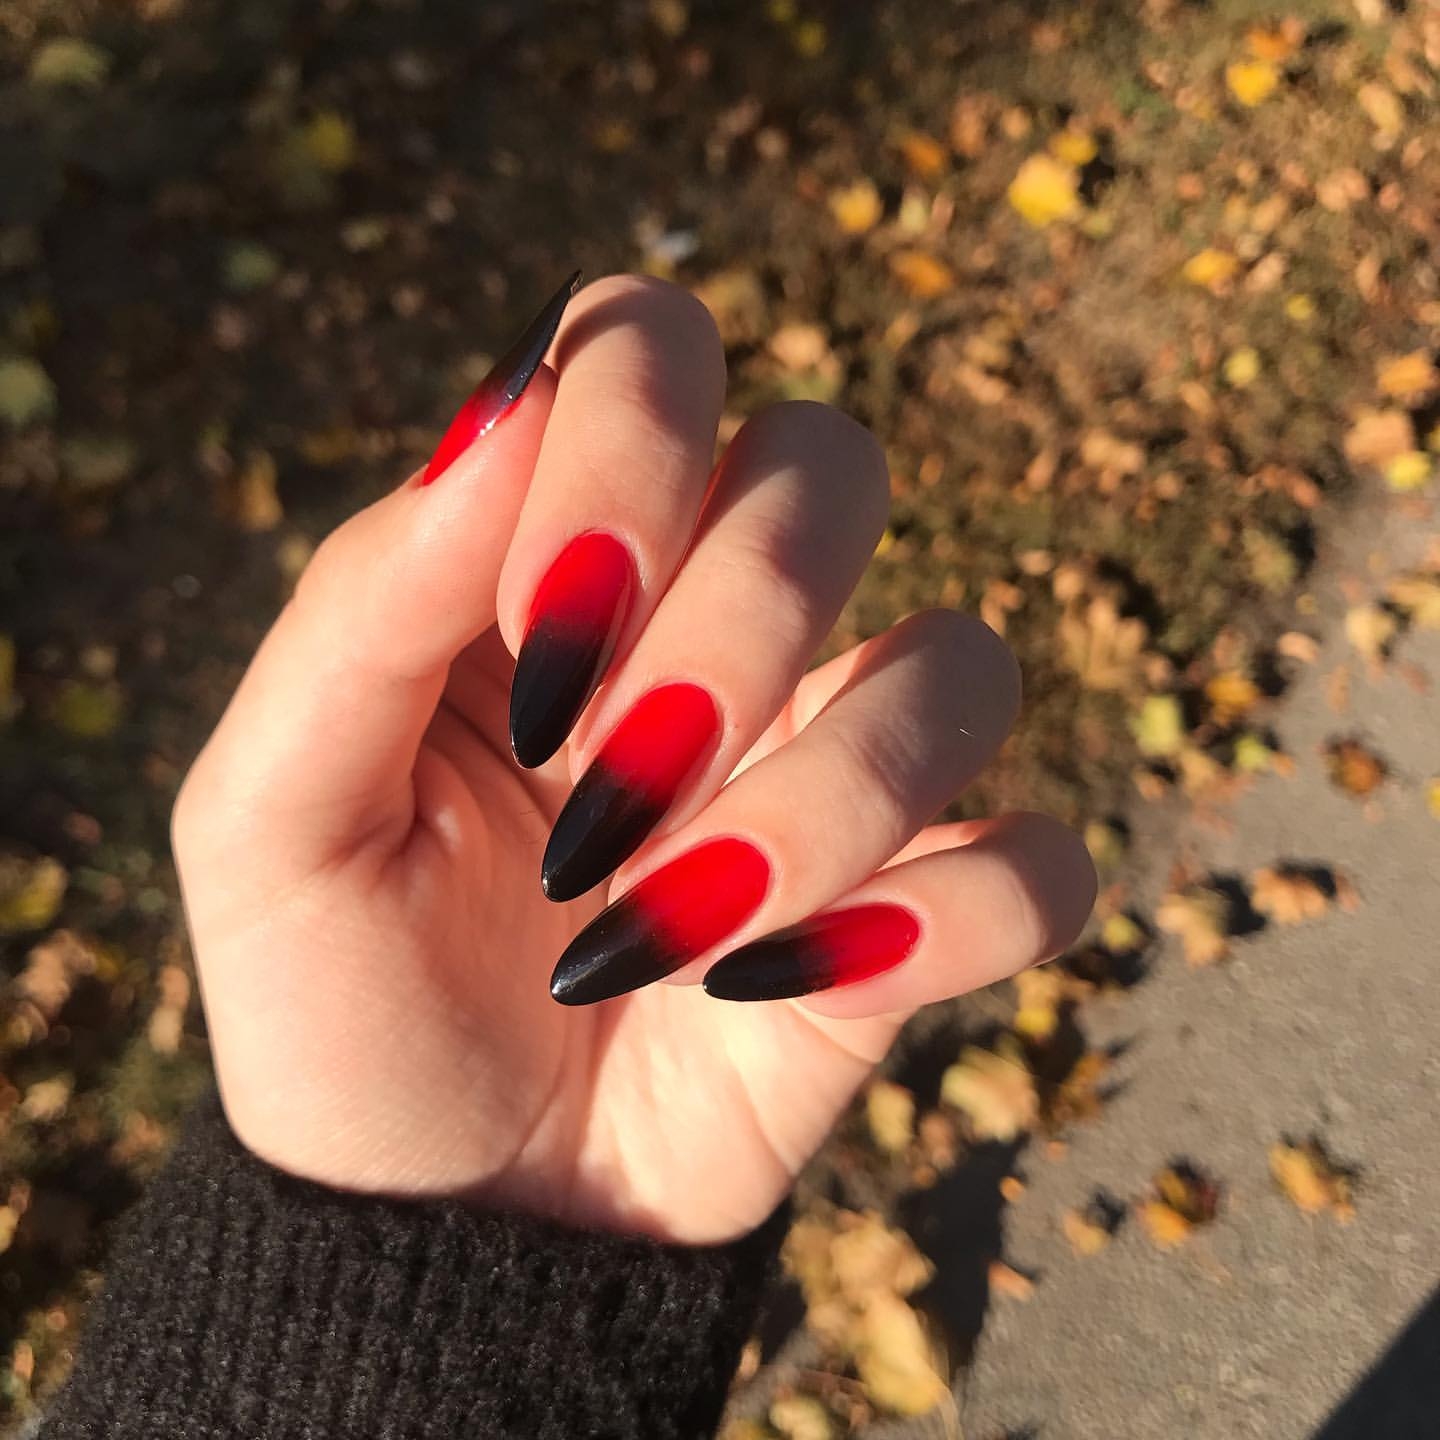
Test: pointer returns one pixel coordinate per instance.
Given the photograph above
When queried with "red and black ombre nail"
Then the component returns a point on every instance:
(503, 386)
(669, 918)
(841, 948)
(644, 764)
(575, 623)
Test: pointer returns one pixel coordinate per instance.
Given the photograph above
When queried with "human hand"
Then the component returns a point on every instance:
(361, 854)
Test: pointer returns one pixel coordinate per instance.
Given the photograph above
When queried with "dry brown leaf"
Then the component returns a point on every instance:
(1008, 1283)
(1294, 645)
(1311, 1179)
(1408, 376)
(1183, 1198)
(801, 347)
(925, 155)
(51, 970)
(1356, 770)
(1200, 916)
(1088, 1230)
(1287, 895)
(1370, 629)
(1379, 436)
(1232, 695)
(922, 275)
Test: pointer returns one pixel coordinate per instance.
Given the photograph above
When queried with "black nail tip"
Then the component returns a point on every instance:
(554, 679)
(600, 827)
(613, 955)
(774, 969)
(517, 367)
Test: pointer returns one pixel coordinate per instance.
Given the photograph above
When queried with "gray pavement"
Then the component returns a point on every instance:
(1268, 1322)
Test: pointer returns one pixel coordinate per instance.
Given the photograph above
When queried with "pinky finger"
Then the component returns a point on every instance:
(1007, 894)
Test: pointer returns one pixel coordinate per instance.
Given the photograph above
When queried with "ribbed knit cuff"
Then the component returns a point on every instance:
(244, 1303)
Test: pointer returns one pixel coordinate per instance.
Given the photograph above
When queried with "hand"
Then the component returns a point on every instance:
(361, 855)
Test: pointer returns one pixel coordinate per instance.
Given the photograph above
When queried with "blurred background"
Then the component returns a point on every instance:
(1142, 299)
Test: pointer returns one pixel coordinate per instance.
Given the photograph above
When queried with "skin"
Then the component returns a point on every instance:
(360, 854)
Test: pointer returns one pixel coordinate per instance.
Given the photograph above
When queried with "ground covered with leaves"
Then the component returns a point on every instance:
(1140, 297)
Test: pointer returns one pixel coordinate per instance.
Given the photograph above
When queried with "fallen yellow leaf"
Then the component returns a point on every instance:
(1383, 108)
(894, 1359)
(1311, 1179)
(1045, 190)
(1087, 1235)
(856, 208)
(1408, 471)
(1166, 1228)
(996, 1094)
(1074, 147)
(1370, 628)
(1432, 796)
(890, 1113)
(1159, 729)
(1242, 367)
(30, 892)
(1212, 269)
(1252, 82)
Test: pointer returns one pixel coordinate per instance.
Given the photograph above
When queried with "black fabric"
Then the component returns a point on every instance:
(241, 1302)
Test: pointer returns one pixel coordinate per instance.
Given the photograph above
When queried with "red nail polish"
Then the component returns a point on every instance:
(647, 760)
(576, 619)
(503, 386)
(841, 948)
(669, 918)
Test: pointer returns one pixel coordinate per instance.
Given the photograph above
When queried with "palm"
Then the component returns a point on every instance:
(611, 1111)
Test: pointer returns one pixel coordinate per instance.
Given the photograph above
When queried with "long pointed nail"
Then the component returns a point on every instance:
(575, 623)
(669, 918)
(503, 386)
(646, 761)
(841, 948)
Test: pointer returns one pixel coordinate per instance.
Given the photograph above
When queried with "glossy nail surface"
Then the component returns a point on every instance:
(841, 948)
(669, 918)
(503, 386)
(575, 623)
(649, 758)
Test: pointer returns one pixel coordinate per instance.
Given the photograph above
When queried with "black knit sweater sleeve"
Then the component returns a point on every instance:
(244, 1303)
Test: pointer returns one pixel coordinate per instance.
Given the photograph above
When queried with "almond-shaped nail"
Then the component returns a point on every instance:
(841, 948)
(576, 618)
(673, 915)
(503, 386)
(645, 764)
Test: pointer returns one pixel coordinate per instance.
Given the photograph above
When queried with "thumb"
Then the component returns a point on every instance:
(324, 729)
